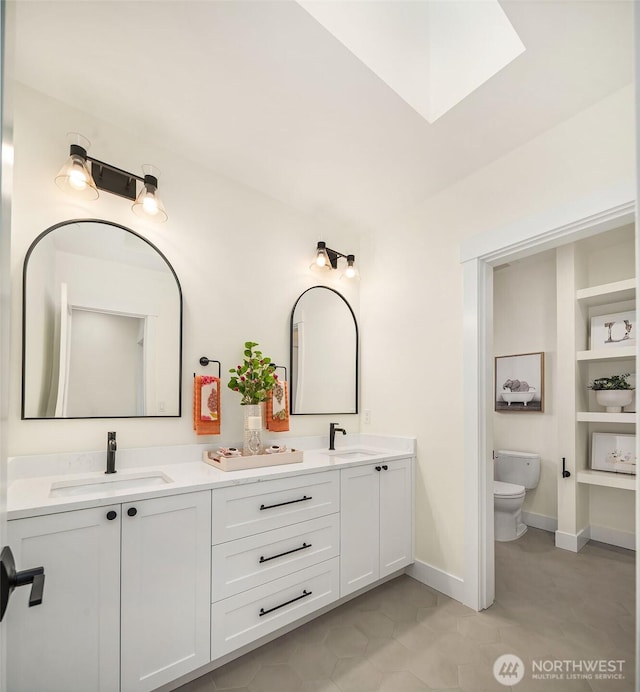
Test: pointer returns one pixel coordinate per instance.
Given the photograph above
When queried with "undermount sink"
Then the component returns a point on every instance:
(354, 454)
(110, 483)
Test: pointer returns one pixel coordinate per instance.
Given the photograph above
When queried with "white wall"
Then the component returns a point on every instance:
(411, 314)
(241, 257)
(253, 254)
(524, 321)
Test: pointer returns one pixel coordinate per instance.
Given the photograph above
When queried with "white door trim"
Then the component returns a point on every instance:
(601, 211)
(7, 20)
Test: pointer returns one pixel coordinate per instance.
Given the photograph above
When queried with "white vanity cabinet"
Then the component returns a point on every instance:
(376, 522)
(71, 642)
(126, 596)
(165, 589)
(275, 556)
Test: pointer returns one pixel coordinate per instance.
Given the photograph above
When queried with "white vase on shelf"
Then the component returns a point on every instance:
(253, 429)
(614, 399)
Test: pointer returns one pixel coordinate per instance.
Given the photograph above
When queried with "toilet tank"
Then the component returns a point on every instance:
(521, 468)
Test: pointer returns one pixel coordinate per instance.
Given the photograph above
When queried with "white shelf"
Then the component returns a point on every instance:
(602, 354)
(607, 293)
(604, 417)
(608, 480)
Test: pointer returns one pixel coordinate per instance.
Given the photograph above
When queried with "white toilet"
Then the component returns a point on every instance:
(514, 474)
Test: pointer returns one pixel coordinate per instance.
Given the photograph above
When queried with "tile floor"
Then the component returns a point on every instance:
(405, 637)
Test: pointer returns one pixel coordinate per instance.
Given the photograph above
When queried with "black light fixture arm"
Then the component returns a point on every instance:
(334, 255)
(77, 150)
(84, 175)
(115, 169)
(116, 180)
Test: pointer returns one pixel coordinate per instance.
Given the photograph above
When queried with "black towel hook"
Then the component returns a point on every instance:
(204, 361)
(281, 367)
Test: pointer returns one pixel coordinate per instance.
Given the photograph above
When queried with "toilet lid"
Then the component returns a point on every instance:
(502, 489)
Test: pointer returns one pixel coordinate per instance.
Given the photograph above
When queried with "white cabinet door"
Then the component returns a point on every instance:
(396, 516)
(359, 527)
(166, 544)
(69, 643)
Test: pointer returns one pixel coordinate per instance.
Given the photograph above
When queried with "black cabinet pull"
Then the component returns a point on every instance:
(282, 504)
(132, 511)
(304, 546)
(305, 593)
(565, 473)
(378, 468)
(111, 515)
(385, 467)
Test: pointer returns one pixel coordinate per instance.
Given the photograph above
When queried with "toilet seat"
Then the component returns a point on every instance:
(507, 490)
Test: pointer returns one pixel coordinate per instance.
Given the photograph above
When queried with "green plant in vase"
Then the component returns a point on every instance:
(613, 392)
(254, 378)
(615, 382)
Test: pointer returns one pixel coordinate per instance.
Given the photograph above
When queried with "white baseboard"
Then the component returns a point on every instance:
(622, 539)
(575, 543)
(437, 579)
(571, 541)
(540, 521)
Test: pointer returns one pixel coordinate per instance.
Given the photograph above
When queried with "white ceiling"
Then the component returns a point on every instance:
(262, 93)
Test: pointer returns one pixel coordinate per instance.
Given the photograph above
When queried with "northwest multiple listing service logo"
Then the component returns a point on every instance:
(509, 669)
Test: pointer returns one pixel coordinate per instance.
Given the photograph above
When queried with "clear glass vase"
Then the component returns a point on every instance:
(253, 429)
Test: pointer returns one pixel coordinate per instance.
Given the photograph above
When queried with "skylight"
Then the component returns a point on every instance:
(432, 53)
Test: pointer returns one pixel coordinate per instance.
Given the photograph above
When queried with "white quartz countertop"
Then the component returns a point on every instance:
(33, 496)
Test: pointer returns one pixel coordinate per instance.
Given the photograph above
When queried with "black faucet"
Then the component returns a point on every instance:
(111, 452)
(333, 429)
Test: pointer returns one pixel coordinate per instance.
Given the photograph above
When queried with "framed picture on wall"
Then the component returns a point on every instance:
(613, 452)
(519, 383)
(617, 329)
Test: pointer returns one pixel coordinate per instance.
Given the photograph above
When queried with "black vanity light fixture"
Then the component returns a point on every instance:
(326, 259)
(84, 180)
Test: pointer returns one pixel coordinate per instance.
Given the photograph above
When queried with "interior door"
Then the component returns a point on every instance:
(6, 172)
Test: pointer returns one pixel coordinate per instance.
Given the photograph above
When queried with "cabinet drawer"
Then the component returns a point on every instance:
(243, 618)
(249, 562)
(243, 510)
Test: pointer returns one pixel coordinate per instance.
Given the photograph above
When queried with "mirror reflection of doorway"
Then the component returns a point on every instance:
(105, 349)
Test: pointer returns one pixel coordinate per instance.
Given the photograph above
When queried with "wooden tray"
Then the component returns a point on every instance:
(251, 462)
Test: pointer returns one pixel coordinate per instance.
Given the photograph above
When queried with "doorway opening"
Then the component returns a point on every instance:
(479, 257)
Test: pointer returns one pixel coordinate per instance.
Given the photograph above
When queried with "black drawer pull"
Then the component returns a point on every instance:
(385, 467)
(305, 593)
(378, 468)
(282, 504)
(304, 546)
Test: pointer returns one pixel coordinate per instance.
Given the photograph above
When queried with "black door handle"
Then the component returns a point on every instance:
(565, 473)
(10, 579)
(111, 515)
(132, 511)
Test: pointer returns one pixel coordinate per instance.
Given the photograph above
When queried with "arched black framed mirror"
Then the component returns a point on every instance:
(101, 325)
(323, 354)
